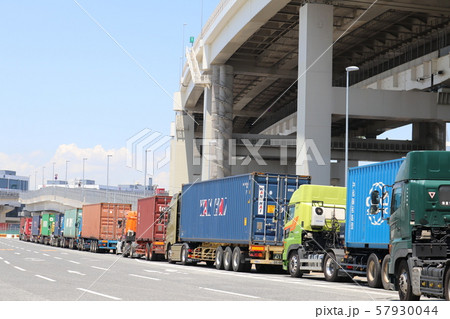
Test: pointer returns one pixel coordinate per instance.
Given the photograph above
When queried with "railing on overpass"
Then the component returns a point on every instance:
(80, 196)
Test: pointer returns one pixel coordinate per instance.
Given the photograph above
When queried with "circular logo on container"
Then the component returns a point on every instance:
(378, 219)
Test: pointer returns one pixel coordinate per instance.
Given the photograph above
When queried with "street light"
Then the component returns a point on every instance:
(66, 174)
(84, 160)
(107, 177)
(43, 174)
(348, 70)
(53, 172)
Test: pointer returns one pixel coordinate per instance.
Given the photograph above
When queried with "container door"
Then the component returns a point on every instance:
(159, 230)
(271, 197)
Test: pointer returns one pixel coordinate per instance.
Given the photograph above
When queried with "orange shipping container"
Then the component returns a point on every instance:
(104, 221)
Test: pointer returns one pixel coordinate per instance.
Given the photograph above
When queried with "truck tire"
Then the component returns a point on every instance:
(373, 271)
(219, 258)
(184, 255)
(238, 260)
(169, 254)
(147, 251)
(385, 272)
(330, 267)
(447, 285)
(294, 265)
(227, 257)
(404, 283)
(126, 250)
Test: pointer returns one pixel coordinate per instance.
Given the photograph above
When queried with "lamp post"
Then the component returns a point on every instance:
(53, 172)
(145, 173)
(43, 174)
(348, 70)
(84, 161)
(67, 162)
(107, 177)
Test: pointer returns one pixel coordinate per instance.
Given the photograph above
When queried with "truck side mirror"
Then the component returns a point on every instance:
(374, 202)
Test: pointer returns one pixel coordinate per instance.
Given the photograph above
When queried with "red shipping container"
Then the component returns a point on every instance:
(151, 226)
(104, 221)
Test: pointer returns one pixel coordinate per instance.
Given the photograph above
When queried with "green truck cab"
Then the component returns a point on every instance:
(312, 227)
(420, 226)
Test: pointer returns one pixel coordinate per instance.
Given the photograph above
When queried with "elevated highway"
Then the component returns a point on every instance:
(277, 67)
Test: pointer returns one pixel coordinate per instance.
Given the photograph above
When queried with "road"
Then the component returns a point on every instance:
(33, 272)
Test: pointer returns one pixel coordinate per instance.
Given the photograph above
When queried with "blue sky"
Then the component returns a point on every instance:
(68, 91)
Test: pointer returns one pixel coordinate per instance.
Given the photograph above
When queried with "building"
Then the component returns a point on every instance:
(9, 180)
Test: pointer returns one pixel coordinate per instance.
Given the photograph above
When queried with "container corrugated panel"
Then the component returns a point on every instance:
(100, 221)
(246, 209)
(36, 225)
(363, 229)
(151, 218)
(72, 221)
(59, 225)
(47, 224)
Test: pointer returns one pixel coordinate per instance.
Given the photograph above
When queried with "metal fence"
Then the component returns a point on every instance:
(9, 229)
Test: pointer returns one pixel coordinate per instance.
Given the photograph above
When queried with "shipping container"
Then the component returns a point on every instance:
(245, 209)
(102, 225)
(71, 228)
(25, 228)
(239, 216)
(150, 228)
(363, 229)
(36, 228)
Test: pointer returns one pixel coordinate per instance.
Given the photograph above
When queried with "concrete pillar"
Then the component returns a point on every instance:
(430, 134)
(217, 123)
(207, 134)
(315, 92)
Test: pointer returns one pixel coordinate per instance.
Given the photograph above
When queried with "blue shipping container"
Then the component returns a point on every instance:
(362, 229)
(36, 226)
(59, 225)
(244, 209)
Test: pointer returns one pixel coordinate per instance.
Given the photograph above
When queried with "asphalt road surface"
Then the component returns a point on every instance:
(36, 272)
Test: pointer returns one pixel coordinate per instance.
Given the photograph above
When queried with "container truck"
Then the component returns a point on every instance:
(332, 230)
(25, 228)
(102, 226)
(419, 225)
(47, 227)
(72, 228)
(126, 244)
(35, 228)
(57, 231)
(151, 227)
(234, 222)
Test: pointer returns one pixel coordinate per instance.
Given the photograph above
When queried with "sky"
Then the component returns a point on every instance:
(79, 78)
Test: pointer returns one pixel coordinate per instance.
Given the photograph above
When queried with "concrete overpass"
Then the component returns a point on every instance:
(60, 199)
(275, 69)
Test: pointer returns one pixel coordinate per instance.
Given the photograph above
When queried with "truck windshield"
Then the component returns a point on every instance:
(290, 213)
(396, 197)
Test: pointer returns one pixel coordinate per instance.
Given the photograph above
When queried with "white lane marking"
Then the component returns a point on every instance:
(76, 272)
(145, 277)
(64, 253)
(171, 270)
(36, 252)
(74, 262)
(153, 271)
(45, 278)
(6, 262)
(229, 293)
(99, 294)
(16, 253)
(95, 267)
(1, 258)
(18, 268)
(59, 258)
(29, 250)
(46, 255)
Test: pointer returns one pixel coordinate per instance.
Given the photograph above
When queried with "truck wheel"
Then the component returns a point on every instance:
(404, 283)
(385, 272)
(373, 271)
(330, 267)
(147, 252)
(227, 257)
(151, 254)
(219, 258)
(294, 265)
(447, 285)
(184, 255)
(238, 260)
(126, 250)
(169, 256)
